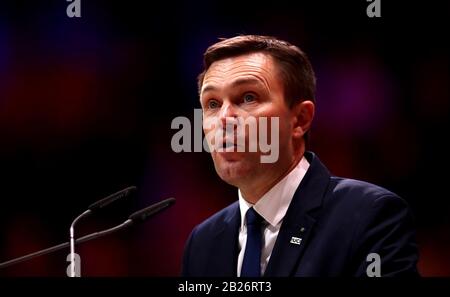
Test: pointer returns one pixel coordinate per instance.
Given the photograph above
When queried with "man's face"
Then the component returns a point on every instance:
(242, 87)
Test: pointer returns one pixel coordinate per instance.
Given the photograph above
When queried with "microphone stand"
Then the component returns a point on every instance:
(72, 244)
(66, 244)
(136, 217)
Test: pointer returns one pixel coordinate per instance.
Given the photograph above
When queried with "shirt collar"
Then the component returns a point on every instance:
(274, 204)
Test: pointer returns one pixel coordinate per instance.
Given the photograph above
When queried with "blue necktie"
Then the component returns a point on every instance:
(251, 265)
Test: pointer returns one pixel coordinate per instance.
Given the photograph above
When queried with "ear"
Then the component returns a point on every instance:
(303, 114)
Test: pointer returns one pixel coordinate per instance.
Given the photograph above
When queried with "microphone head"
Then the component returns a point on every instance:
(143, 214)
(111, 198)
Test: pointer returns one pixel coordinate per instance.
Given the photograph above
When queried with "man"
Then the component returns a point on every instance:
(292, 217)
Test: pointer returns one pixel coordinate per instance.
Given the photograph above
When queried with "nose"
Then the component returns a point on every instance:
(228, 114)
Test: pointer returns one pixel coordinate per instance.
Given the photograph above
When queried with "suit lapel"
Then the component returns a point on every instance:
(222, 260)
(298, 224)
(289, 247)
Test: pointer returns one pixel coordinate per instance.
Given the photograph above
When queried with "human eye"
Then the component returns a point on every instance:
(249, 97)
(213, 104)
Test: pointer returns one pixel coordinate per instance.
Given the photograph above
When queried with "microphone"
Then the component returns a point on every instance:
(111, 198)
(92, 208)
(136, 217)
(143, 214)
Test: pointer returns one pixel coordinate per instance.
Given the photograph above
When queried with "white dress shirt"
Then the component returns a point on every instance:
(272, 207)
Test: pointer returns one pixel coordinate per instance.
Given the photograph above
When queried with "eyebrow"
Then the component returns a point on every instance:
(235, 83)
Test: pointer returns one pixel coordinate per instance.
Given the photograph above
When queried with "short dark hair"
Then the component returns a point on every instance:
(296, 70)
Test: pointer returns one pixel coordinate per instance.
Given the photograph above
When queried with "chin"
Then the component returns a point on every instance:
(233, 172)
(234, 168)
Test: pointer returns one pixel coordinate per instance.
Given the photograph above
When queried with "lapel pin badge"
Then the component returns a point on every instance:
(296, 240)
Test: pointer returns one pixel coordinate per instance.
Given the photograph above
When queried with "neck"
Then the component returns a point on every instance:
(252, 193)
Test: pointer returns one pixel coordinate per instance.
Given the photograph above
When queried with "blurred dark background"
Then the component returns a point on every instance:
(86, 106)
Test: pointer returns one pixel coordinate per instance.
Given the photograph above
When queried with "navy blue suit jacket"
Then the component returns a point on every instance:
(340, 221)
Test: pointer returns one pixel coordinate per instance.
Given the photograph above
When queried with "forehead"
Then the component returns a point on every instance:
(256, 65)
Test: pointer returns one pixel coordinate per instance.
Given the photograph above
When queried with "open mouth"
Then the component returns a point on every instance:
(228, 145)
